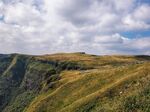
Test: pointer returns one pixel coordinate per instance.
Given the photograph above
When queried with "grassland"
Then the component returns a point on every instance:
(74, 82)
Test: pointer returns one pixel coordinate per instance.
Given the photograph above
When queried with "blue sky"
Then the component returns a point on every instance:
(144, 1)
(136, 34)
(93, 26)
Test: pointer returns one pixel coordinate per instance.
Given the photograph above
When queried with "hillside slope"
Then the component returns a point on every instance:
(74, 82)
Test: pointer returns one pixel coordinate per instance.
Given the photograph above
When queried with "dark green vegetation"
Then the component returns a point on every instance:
(75, 82)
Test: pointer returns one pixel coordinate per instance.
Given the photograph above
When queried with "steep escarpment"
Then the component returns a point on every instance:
(12, 74)
(74, 82)
(23, 77)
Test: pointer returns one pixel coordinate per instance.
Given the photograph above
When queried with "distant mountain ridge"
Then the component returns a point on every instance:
(74, 82)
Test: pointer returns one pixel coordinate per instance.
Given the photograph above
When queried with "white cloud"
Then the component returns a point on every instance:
(109, 39)
(140, 43)
(138, 19)
(22, 14)
(142, 13)
(93, 26)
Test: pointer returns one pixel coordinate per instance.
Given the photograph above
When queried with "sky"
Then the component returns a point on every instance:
(102, 27)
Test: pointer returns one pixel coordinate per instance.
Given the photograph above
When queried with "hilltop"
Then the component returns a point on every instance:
(74, 82)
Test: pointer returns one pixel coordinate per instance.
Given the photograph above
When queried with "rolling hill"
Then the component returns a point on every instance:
(74, 82)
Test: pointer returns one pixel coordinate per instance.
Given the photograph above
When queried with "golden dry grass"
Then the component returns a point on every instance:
(83, 87)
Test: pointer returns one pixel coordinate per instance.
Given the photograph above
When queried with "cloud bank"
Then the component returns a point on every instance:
(93, 26)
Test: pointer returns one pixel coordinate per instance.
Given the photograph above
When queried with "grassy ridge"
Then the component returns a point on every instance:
(79, 94)
(75, 82)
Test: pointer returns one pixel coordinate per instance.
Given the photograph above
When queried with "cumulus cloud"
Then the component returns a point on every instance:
(139, 19)
(21, 14)
(93, 26)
